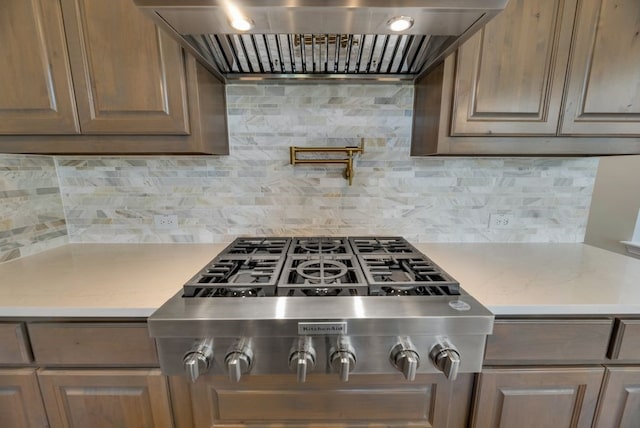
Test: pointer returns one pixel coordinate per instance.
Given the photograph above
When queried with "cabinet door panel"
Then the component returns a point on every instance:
(20, 402)
(36, 95)
(96, 398)
(128, 75)
(325, 401)
(510, 75)
(603, 93)
(531, 398)
(620, 402)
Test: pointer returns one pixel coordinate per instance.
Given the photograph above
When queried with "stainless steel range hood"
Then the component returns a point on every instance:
(321, 39)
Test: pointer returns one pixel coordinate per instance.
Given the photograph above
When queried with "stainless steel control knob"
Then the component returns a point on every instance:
(342, 357)
(302, 358)
(198, 359)
(446, 358)
(239, 359)
(405, 358)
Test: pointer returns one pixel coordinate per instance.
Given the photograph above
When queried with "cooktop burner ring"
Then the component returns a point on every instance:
(321, 271)
(319, 245)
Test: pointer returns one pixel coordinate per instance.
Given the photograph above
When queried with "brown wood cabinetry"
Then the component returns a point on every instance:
(532, 398)
(133, 89)
(106, 344)
(20, 401)
(550, 341)
(429, 401)
(36, 93)
(542, 78)
(128, 74)
(95, 398)
(620, 399)
(561, 373)
(510, 74)
(14, 345)
(603, 88)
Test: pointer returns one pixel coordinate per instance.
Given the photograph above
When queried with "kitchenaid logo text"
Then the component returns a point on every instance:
(322, 328)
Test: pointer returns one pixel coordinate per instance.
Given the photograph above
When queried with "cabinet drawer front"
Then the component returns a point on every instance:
(626, 343)
(515, 341)
(92, 344)
(325, 401)
(15, 346)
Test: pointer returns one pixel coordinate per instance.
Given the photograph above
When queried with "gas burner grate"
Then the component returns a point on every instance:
(405, 275)
(236, 277)
(258, 247)
(382, 245)
(320, 245)
(322, 275)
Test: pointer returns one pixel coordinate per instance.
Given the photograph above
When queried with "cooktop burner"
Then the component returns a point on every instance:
(236, 276)
(390, 245)
(320, 266)
(258, 246)
(322, 275)
(320, 245)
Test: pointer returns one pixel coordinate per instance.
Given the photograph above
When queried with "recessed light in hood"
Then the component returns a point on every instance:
(242, 24)
(322, 39)
(400, 23)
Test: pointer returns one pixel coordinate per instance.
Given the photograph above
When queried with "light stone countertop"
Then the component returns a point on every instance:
(132, 280)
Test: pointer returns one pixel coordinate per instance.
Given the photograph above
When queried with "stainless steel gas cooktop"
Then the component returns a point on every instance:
(379, 306)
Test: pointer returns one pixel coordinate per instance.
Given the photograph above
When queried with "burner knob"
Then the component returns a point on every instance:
(446, 358)
(239, 359)
(405, 358)
(302, 358)
(198, 360)
(342, 357)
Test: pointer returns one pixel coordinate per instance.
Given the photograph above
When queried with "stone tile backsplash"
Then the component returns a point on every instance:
(255, 191)
(31, 214)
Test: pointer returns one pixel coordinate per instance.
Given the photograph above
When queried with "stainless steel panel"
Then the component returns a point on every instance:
(271, 354)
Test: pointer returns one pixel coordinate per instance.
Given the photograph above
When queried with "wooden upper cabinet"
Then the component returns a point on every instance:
(129, 76)
(36, 95)
(603, 92)
(510, 75)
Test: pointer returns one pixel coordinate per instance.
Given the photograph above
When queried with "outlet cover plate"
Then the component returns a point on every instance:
(501, 221)
(166, 221)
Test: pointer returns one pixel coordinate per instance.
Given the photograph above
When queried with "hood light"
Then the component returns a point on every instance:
(242, 24)
(400, 23)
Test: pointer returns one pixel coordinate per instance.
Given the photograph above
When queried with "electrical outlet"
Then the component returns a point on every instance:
(500, 221)
(166, 221)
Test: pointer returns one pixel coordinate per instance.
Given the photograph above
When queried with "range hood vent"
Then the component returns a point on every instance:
(321, 39)
(252, 56)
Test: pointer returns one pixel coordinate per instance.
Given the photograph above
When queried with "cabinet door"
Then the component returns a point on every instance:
(510, 75)
(97, 398)
(533, 398)
(128, 75)
(20, 401)
(380, 400)
(603, 93)
(620, 401)
(36, 95)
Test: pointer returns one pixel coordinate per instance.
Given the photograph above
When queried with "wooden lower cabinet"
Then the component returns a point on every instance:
(620, 399)
(20, 401)
(325, 401)
(537, 397)
(120, 398)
